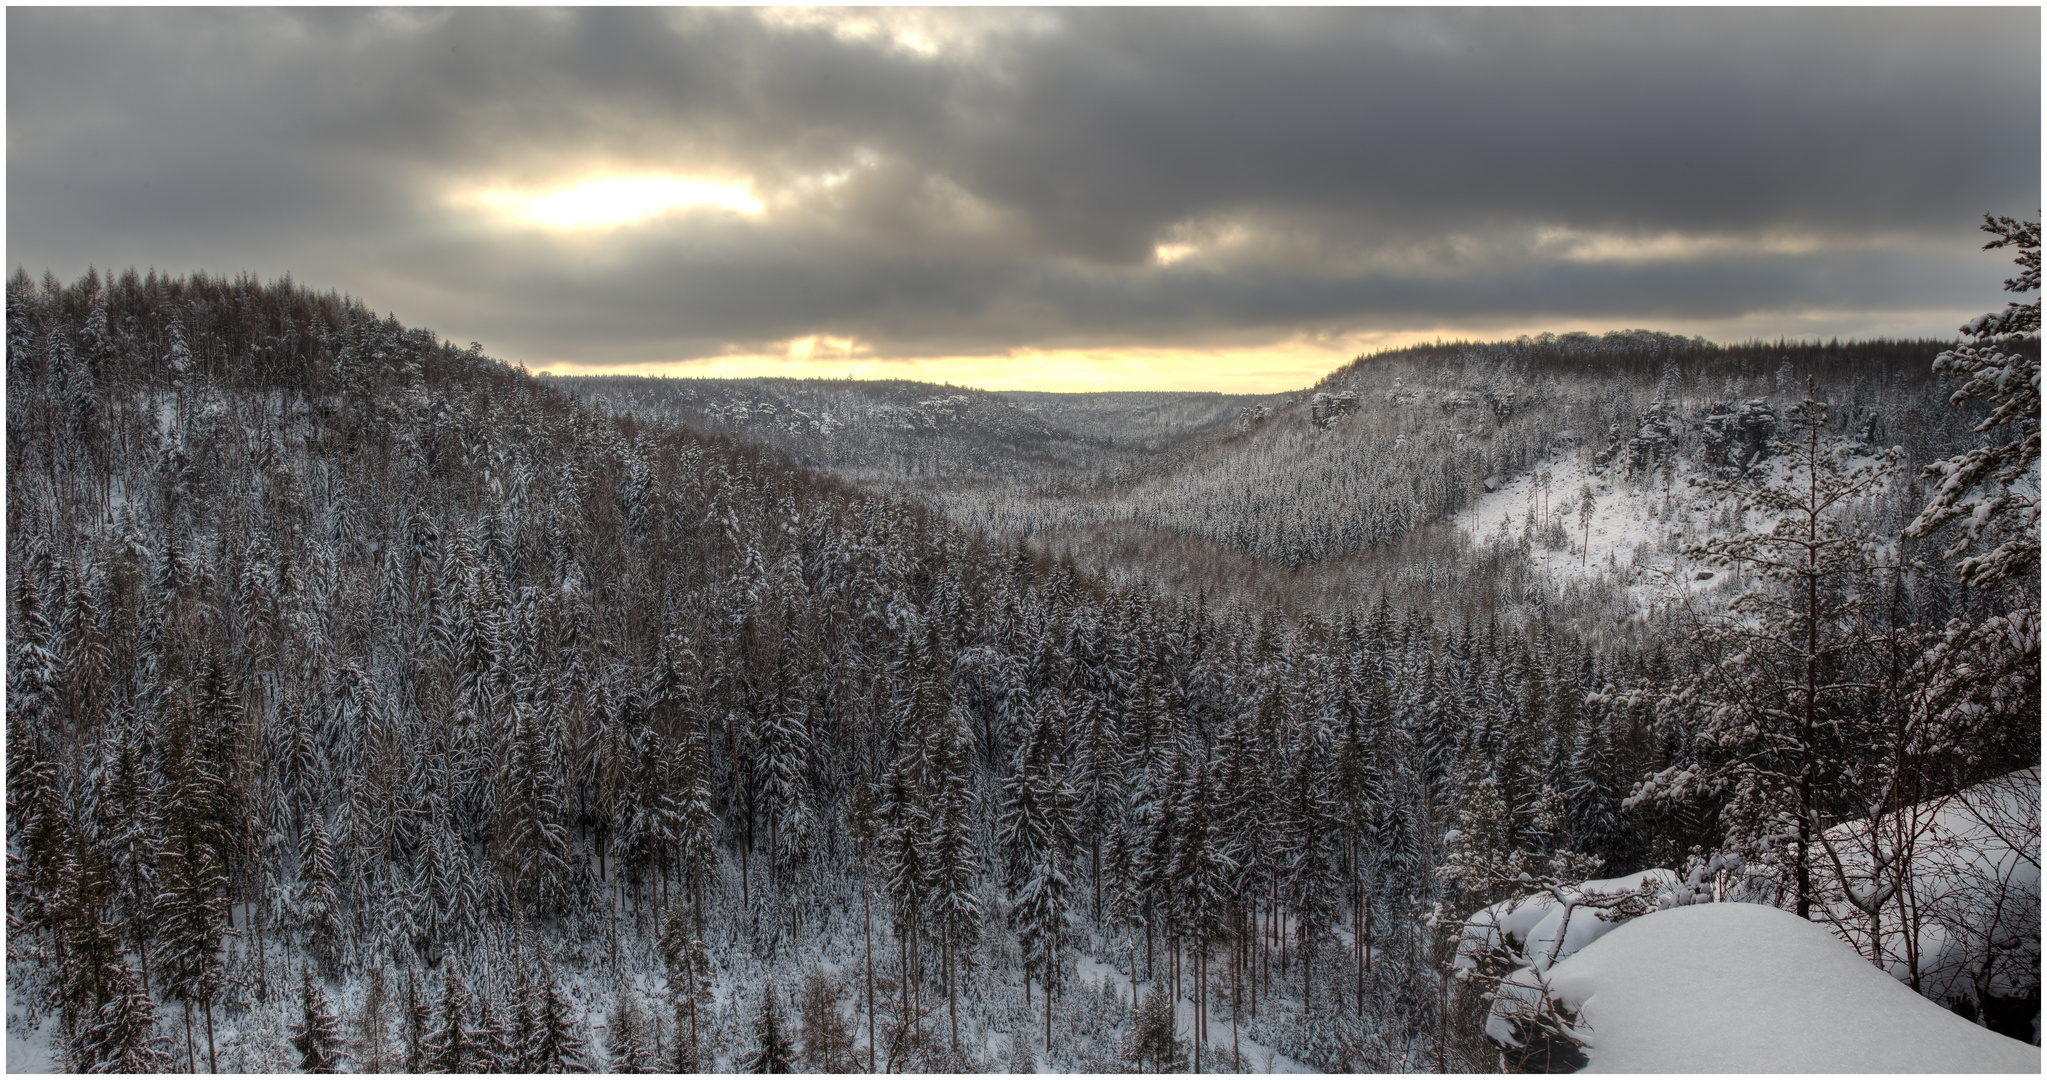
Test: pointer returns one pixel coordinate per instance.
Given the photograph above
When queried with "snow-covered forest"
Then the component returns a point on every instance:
(373, 705)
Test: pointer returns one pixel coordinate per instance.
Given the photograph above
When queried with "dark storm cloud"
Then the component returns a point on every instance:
(1007, 178)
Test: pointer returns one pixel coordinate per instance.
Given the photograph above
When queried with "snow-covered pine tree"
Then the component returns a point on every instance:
(418, 1016)
(1150, 1044)
(192, 911)
(1307, 832)
(772, 1052)
(555, 1047)
(954, 910)
(534, 838)
(453, 1045)
(318, 906)
(316, 1036)
(1984, 488)
(784, 761)
(688, 964)
(371, 1021)
(1035, 836)
(495, 1051)
(120, 1035)
(628, 1040)
(131, 829)
(1201, 895)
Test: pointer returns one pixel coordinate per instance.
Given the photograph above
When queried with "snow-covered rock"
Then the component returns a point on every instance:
(1748, 988)
(1975, 889)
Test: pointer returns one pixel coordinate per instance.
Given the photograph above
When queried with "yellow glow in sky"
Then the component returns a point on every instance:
(1254, 369)
(614, 201)
(1276, 366)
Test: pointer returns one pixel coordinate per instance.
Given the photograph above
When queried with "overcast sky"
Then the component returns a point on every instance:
(1219, 198)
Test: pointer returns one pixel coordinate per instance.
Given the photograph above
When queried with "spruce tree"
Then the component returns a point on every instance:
(319, 909)
(556, 1047)
(627, 1041)
(688, 964)
(495, 1048)
(316, 1036)
(453, 1048)
(772, 1052)
(120, 1035)
(955, 913)
(418, 1019)
(1035, 834)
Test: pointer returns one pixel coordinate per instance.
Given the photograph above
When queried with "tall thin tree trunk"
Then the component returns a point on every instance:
(952, 1002)
(867, 929)
(212, 1058)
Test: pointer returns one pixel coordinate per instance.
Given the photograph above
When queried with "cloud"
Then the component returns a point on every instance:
(980, 182)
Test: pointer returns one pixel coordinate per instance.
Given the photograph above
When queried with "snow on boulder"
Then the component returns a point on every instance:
(1748, 988)
(1975, 894)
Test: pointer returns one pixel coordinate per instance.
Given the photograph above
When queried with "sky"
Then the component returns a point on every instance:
(1051, 199)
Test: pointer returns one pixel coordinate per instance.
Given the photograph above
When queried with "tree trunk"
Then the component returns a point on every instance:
(867, 928)
(212, 1058)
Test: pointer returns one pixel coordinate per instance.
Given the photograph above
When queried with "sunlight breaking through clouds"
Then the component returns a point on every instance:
(615, 201)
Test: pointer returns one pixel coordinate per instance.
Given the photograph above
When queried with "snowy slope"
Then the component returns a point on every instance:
(1747, 988)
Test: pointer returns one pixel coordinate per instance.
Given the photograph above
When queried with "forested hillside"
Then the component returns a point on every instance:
(922, 436)
(1329, 484)
(374, 705)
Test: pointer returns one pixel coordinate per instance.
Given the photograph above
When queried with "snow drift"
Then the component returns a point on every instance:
(1748, 988)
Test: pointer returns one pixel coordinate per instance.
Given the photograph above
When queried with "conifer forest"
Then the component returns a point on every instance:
(376, 706)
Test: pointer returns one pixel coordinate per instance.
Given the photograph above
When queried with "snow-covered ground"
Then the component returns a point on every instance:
(1640, 529)
(28, 1051)
(1634, 549)
(1748, 988)
(1258, 1057)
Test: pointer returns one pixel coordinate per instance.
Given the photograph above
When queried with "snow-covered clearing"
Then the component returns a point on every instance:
(1748, 988)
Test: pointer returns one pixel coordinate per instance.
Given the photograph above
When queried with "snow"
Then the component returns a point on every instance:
(1258, 1057)
(1976, 877)
(28, 1051)
(1748, 988)
(1637, 533)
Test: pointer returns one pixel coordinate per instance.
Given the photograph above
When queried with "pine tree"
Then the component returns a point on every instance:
(1151, 1045)
(192, 911)
(955, 913)
(772, 1052)
(120, 1036)
(418, 1018)
(555, 1047)
(784, 761)
(453, 1048)
(132, 828)
(319, 909)
(688, 964)
(533, 832)
(1983, 488)
(316, 1036)
(371, 1023)
(627, 1046)
(1035, 834)
(495, 1050)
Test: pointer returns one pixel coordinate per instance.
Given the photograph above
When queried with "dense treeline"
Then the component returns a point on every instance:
(911, 435)
(343, 661)
(1427, 429)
